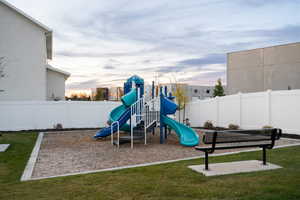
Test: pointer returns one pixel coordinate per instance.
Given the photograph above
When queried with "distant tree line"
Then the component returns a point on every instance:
(100, 94)
(79, 97)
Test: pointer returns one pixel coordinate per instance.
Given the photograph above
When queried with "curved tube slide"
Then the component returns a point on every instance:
(120, 114)
(187, 136)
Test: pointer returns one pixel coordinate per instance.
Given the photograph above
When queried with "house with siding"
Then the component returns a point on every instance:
(25, 49)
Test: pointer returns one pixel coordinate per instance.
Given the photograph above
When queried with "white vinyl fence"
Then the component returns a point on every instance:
(279, 109)
(253, 110)
(16, 116)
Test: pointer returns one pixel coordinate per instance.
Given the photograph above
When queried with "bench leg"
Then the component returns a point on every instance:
(264, 156)
(206, 160)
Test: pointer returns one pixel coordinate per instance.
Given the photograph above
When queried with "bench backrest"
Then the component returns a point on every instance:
(267, 136)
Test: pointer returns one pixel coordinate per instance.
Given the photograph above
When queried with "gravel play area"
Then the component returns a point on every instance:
(76, 151)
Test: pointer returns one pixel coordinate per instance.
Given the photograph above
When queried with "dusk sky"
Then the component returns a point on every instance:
(103, 42)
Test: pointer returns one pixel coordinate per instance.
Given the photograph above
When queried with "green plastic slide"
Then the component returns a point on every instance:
(187, 136)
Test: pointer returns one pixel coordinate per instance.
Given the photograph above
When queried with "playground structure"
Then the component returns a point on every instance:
(140, 114)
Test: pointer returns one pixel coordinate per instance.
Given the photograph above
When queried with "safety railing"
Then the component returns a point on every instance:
(137, 112)
(151, 114)
(136, 116)
(112, 133)
(144, 111)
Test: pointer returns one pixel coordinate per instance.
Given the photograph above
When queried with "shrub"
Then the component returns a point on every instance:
(233, 126)
(208, 124)
(267, 126)
(58, 126)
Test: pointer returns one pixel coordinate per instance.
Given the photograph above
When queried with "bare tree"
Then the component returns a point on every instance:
(181, 98)
(180, 93)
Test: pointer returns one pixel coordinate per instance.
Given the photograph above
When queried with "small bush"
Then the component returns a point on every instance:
(58, 126)
(267, 126)
(208, 124)
(233, 126)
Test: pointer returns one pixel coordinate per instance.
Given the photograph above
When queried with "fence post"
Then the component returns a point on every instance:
(269, 107)
(218, 109)
(240, 109)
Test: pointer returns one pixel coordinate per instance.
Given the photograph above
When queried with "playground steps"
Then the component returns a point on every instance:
(138, 133)
(150, 128)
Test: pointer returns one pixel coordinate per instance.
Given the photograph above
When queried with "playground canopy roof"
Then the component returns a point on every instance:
(136, 79)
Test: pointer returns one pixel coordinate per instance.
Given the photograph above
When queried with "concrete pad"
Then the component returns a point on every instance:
(233, 167)
(3, 147)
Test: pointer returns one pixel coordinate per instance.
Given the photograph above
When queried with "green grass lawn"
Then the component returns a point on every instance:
(167, 181)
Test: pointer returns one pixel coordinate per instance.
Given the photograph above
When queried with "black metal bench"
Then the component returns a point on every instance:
(232, 139)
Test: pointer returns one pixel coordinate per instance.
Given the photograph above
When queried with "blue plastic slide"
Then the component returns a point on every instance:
(120, 114)
(187, 136)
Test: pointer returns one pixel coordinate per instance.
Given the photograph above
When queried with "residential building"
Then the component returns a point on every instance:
(193, 92)
(56, 83)
(115, 93)
(107, 94)
(197, 92)
(25, 49)
(274, 68)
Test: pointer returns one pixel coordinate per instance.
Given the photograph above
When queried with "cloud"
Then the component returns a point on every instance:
(289, 33)
(261, 3)
(109, 67)
(193, 64)
(83, 84)
(209, 59)
(159, 36)
(207, 78)
(164, 69)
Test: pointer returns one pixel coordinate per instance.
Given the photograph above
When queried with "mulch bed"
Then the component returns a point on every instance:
(76, 151)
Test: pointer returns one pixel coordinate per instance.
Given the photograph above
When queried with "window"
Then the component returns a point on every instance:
(207, 91)
(195, 91)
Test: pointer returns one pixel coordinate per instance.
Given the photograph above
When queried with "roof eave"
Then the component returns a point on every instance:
(66, 74)
(47, 29)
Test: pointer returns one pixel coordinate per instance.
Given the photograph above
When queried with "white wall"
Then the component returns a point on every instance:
(279, 109)
(55, 85)
(23, 46)
(28, 115)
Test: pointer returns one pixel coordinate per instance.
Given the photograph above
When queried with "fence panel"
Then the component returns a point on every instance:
(229, 110)
(285, 110)
(16, 116)
(252, 110)
(254, 113)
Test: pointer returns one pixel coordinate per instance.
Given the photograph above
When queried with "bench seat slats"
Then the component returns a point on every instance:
(220, 147)
(233, 137)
